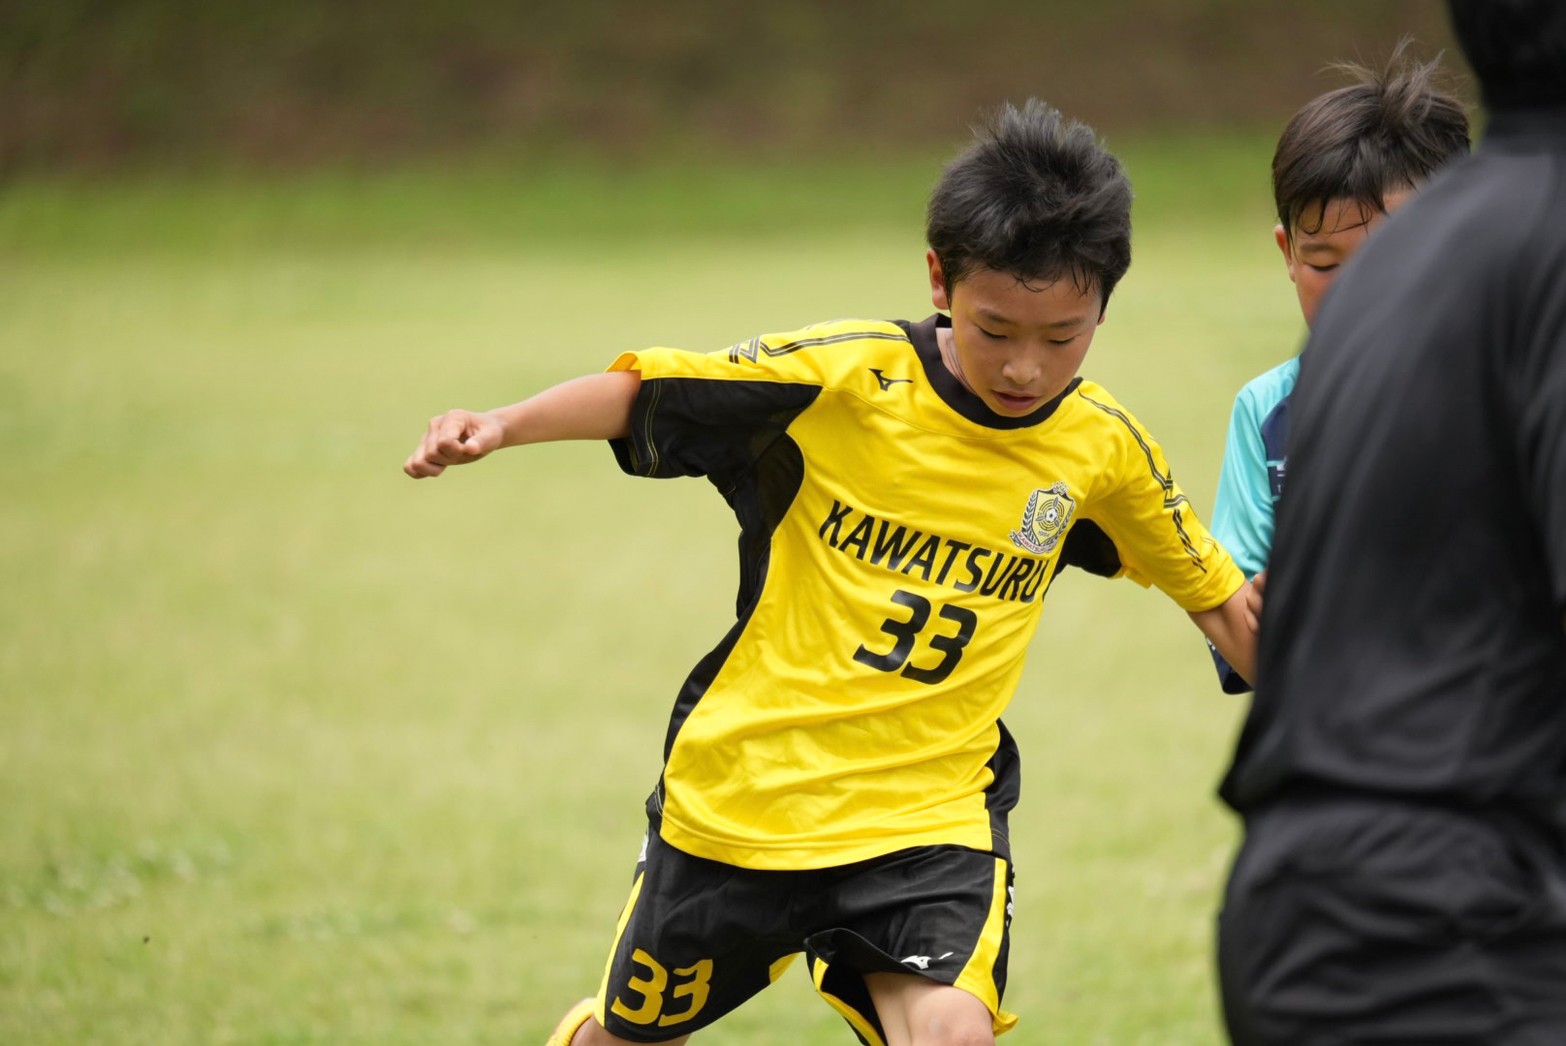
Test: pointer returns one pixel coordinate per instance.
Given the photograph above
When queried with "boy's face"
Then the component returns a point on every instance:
(1014, 345)
(1339, 227)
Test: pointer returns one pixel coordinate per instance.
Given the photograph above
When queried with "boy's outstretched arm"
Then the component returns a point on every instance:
(597, 406)
(1231, 626)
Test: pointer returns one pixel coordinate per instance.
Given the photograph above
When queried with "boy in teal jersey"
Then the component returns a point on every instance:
(1344, 162)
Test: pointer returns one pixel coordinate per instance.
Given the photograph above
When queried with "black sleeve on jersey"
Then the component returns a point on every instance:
(710, 427)
(1089, 548)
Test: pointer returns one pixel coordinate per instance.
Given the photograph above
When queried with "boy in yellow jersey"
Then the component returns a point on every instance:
(836, 776)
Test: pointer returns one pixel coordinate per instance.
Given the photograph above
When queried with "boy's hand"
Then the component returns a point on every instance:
(454, 438)
(1253, 599)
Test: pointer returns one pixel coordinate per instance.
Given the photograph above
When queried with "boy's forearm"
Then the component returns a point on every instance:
(1231, 626)
(597, 406)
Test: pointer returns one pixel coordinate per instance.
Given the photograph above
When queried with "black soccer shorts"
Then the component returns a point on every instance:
(1372, 920)
(697, 937)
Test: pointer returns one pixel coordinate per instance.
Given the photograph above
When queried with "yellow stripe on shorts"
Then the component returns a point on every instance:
(978, 976)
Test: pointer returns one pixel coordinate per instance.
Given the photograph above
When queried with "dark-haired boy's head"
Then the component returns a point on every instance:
(1034, 197)
(1029, 231)
(1349, 157)
(1517, 48)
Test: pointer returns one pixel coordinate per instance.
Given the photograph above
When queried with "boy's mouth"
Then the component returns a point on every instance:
(1015, 401)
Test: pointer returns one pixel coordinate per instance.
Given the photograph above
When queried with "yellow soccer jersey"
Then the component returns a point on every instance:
(897, 541)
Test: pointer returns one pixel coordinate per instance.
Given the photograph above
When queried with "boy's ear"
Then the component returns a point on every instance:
(1281, 234)
(938, 296)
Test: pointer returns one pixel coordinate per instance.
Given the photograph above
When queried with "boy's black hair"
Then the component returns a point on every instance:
(1035, 197)
(1517, 48)
(1387, 131)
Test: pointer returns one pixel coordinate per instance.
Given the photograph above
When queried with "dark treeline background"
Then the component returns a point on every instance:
(108, 85)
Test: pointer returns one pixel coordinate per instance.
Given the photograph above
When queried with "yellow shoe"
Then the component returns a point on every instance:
(575, 1017)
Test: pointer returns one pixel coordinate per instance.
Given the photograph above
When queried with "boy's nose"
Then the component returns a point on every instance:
(1020, 370)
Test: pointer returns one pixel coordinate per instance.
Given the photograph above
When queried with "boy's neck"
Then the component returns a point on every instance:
(945, 341)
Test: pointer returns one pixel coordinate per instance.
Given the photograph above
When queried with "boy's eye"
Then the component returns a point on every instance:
(991, 334)
(1322, 268)
(1063, 341)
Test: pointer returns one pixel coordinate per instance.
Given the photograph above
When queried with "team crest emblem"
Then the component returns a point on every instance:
(1044, 520)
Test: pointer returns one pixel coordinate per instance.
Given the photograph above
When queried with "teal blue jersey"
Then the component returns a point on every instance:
(1251, 482)
(1253, 467)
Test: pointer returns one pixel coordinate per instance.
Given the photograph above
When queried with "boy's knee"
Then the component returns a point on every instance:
(979, 1035)
(916, 1012)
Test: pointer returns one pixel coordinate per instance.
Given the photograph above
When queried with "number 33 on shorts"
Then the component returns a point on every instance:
(658, 990)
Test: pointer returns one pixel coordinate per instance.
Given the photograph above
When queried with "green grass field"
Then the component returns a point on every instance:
(294, 750)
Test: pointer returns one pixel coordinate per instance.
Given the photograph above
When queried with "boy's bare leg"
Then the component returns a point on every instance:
(592, 1033)
(918, 1012)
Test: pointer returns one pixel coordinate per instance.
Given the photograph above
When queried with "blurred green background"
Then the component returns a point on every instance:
(102, 84)
(294, 750)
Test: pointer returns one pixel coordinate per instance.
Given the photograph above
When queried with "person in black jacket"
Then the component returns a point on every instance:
(1402, 772)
